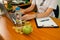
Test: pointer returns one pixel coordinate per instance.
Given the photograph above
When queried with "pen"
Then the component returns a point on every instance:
(44, 20)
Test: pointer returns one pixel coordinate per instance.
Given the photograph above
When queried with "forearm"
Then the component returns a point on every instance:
(29, 9)
(30, 0)
(45, 14)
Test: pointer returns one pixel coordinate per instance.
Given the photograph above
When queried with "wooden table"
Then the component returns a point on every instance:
(9, 33)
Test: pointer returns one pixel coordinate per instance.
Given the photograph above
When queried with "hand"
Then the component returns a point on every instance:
(28, 16)
(22, 11)
(17, 16)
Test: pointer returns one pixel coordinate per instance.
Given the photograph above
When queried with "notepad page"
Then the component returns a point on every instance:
(47, 23)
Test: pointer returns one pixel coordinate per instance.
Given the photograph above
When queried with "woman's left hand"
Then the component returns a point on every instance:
(28, 16)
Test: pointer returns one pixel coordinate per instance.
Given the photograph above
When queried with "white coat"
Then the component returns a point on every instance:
(43, 5)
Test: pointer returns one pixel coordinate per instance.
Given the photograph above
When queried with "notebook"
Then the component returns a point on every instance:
(45, 22)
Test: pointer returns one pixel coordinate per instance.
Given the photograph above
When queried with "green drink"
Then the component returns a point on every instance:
(26, 1)
(9, 7)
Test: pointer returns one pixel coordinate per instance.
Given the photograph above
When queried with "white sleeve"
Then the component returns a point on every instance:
(53, 4)
(33, 1)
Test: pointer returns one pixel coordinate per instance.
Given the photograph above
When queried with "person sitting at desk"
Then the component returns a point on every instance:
(44, 9)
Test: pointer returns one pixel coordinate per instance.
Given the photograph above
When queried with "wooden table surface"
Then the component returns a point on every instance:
(9, 33)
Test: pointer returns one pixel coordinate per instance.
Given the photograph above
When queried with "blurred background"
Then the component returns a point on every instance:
(59, 7)
(58, 4)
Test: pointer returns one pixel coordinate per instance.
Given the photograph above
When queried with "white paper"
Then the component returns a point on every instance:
(48, 23)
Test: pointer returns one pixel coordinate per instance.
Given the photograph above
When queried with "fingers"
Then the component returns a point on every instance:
(24, 17)
(27, 17)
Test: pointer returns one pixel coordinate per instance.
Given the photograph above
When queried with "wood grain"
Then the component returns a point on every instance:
(37, 34)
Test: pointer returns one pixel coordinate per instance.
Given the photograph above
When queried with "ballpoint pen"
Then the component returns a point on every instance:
(44, 20)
